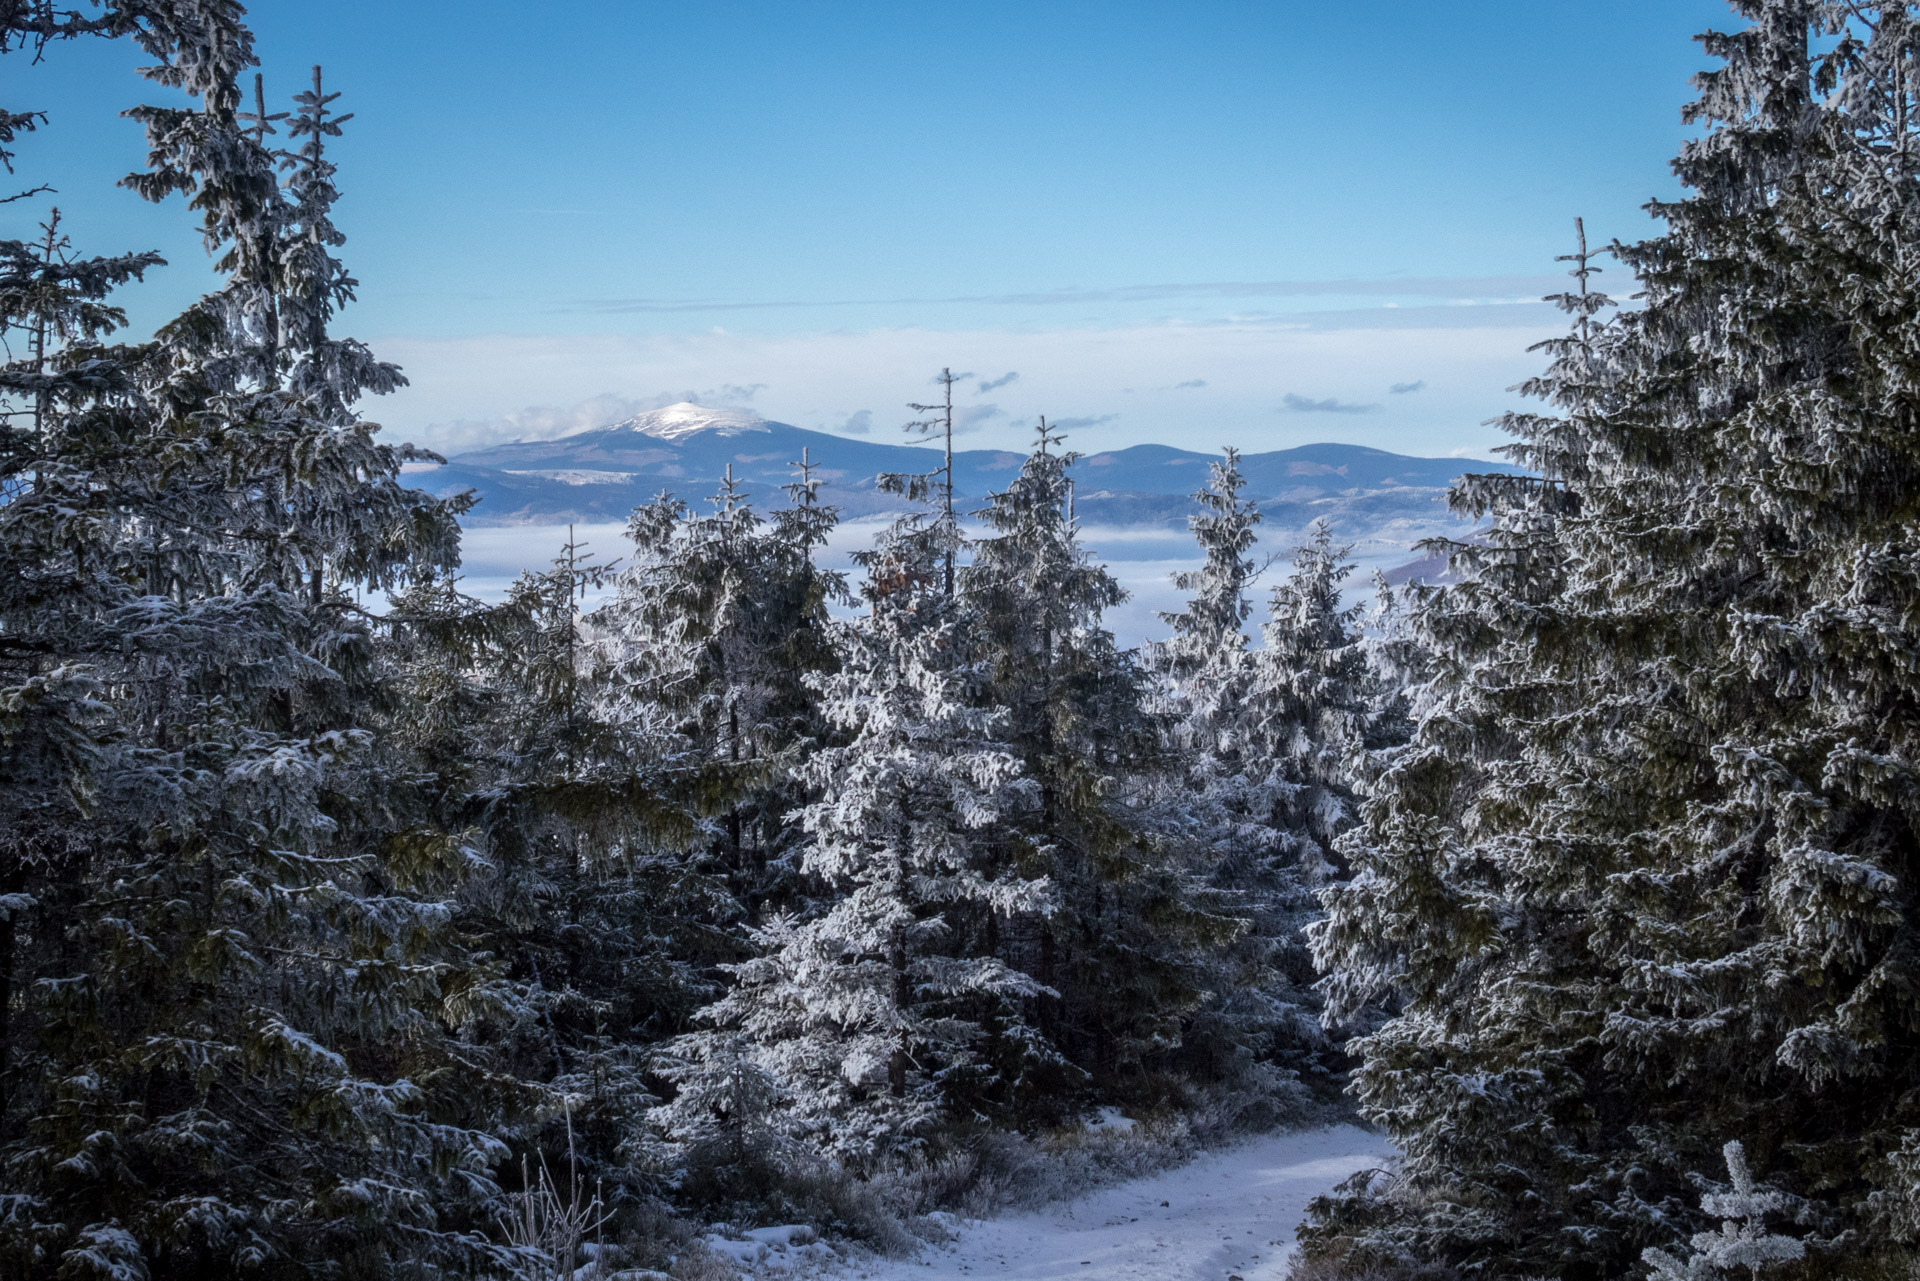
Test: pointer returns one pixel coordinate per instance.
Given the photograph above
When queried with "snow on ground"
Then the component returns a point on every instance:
(1224, 1215)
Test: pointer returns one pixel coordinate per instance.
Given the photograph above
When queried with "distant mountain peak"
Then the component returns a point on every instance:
(677, 422)
(605, 472)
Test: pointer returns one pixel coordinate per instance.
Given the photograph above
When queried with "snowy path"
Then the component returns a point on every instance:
(1227, 1214)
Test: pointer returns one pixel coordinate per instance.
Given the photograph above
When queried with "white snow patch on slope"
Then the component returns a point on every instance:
(766, 1251)
(677, 422)
(579, 476)
(1111, 1121)
(1227, 1214)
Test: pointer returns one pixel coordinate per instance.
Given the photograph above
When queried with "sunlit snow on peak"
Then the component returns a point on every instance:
(677, 422)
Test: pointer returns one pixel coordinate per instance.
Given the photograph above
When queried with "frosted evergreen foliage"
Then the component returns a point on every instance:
(582, 893)
(702, 662)
(726, 1124)
(1638, 881)
(1209, 638)
(1266, 737)
(1743, 1242)
(230, 981)
(55, 314)
(1127, 950)
(1311, 704)
(713, 631)
(867, 1016)
(1304, 708)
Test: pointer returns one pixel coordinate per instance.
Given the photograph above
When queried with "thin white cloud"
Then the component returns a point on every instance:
(971, 418)
(1296, 404)
(1081, 424)
(1457, 289)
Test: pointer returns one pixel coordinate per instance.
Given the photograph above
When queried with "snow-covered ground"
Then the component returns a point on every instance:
(1225, 1215)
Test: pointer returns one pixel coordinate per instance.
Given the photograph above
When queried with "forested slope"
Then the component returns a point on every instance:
(350, 926)
(354, 927)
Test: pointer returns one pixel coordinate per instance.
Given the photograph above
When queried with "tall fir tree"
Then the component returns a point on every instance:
(869, 1017)
(56, 733)
(1125, 949)
(229, 1045)
(1265, 740)
(1642, 883)
(1209, 641)
(710, 646)
(596, 934)
(1315, 704)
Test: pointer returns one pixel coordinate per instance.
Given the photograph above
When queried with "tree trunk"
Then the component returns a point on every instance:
(902, 995)
(7, 886)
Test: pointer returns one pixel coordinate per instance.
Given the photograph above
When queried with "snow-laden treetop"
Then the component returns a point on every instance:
(677, 422)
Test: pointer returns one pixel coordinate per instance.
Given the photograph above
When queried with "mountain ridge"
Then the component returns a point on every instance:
(602, 473)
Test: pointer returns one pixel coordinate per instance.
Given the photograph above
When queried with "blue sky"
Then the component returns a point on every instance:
(1193, 223)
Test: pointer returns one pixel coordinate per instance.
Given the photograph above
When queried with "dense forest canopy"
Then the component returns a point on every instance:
(354, 927)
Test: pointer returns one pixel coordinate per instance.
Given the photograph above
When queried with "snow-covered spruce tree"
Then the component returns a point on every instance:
(1314, 702)
(1643, 881)
(708, 647)
(597, 933)
(54, 731)
(1220, 785)
(870, 1016)
(1125, 949)
(729, 1140)
(711, 635)
(226, 1031)
(1209, 637)
(1276, 779)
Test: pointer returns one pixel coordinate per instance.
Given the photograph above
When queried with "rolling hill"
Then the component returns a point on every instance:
(601, 474)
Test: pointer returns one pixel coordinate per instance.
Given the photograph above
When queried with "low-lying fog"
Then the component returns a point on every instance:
(1144, 560)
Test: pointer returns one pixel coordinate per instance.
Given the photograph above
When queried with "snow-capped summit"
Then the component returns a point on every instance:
(677, 422)
(603, 473)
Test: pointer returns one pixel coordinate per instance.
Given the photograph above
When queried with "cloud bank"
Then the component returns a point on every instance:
(1294, 404)
(469, 392)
